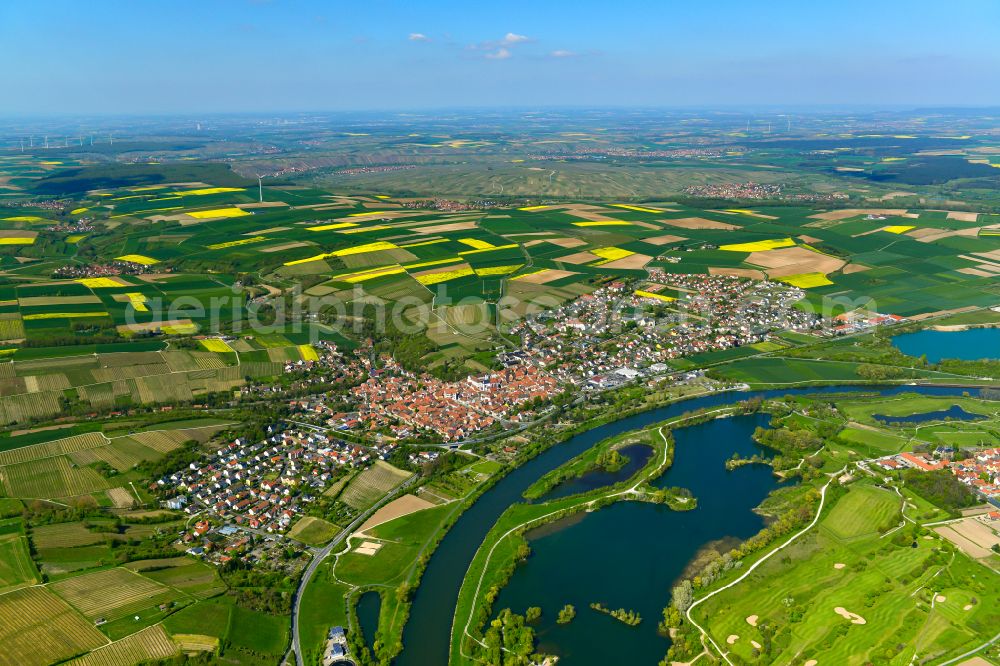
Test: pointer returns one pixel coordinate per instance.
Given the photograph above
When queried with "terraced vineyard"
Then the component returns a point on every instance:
(146, 645)
(366, 488)
(38, 628)
(112, 593)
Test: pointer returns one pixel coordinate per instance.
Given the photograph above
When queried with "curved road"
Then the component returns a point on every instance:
(321, 555)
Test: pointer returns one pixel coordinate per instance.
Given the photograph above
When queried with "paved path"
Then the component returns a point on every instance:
(819, 512)
(321, 555)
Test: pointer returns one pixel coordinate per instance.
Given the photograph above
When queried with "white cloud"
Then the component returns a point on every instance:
(513, 38)
(499, 54)
(419, 37)
(563, 54)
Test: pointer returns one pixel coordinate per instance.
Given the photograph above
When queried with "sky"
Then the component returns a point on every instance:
(224, 56)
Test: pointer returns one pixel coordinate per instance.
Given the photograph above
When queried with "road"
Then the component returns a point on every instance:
(321, 555)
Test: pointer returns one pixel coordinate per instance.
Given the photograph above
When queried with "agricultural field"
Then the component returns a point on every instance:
(113, 593)
(16, 567)
(313, 531)
(372, 484)
(38, 628)
(146, 645)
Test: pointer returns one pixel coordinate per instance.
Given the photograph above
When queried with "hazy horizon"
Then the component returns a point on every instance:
(269, 56)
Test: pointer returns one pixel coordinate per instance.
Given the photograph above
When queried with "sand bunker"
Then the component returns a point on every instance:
(839, 565)
(848, 615)
(940, 598)
(811, 662)
(755, 644)
(367, 547)
(732, 639)
(752, 620)
(967, 607)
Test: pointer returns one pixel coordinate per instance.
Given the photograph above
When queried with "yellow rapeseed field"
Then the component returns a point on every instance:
(308, 353)
(328, 227)
(897, 229)
(138, 301)
(654, 295)
(371, 275)
(603, 223)
(216, 345)
(497, 270)
(100, 282)
(180, 329)
(445, 276)
(477, 244)
(806, 280)
(16, 241)
(436, 262)
(611, 253)
(138, 259)
(208, 190)
(217, 212)
(487, 249)
(641, 209)
(62, 315)
(242, 241)
(376, 227)
(759, 246)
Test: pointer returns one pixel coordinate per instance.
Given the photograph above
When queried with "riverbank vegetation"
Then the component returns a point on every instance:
(566, 614)
(629, 617)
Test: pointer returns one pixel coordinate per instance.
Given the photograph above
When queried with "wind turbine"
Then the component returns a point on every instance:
(46, 140)
(260, 186)
(22, 144)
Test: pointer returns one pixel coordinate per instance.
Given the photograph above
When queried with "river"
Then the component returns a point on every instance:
(426, 638)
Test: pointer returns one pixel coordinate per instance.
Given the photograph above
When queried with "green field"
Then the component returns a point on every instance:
(313, 531)
(864, 511)
(16, 567)
(919, 600)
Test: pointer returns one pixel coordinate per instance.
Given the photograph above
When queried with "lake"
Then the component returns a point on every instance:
(970, 345)
(426, 635)
(630, 554)
(368, 608)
